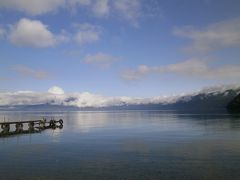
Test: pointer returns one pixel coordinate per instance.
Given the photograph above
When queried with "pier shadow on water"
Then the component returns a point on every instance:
(7, 133)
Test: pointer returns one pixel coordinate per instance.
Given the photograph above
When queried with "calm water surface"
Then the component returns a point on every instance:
(124, 145)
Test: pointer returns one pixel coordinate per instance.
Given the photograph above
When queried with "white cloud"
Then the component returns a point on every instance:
(216, 36)
(32, 7)
(218, 89)
(56, 96)
(87, 34)
(31, 33)
(101, 8)
(55, 90)
(193, 68)
(29, 72)
(130, 10)
(80, 2)
(127, 9)
(100, 59)
(63, 37)
(137, 74)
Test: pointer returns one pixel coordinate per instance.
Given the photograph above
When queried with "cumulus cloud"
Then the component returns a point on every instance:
(34, 33)
(29, 72)
(56, 90)
(87, 33)
(31, 33)
(100, 59)
(32, 7)
(193, 68)
(216, 36)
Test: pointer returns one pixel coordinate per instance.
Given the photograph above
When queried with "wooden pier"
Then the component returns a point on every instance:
(34, 126)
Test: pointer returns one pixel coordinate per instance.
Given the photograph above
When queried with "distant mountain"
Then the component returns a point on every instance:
(204, 100)
(234, 105)
(207, 99)
(211, 100)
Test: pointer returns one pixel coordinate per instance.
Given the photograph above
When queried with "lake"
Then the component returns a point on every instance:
(124, 145)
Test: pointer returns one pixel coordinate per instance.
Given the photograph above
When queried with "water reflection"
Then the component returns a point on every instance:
(126, 145)
(84, 122)
(213, 120)
(5, 132)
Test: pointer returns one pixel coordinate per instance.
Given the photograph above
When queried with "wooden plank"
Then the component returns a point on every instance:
(15, 122)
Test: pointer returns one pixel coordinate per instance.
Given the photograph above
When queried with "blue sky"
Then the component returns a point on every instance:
(139, 48)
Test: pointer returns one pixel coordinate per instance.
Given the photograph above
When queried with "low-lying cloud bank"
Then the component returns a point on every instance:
(56, 96)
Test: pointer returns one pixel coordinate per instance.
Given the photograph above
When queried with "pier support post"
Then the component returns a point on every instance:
(52, 124)
(19, 127)
(31, 126)
(42, 123)
(5, 127)
(60, 121)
